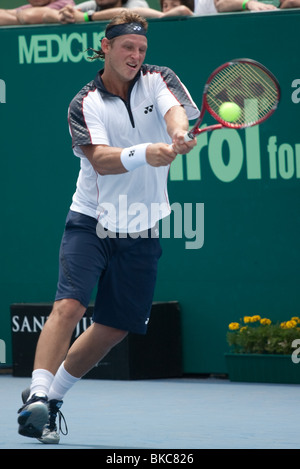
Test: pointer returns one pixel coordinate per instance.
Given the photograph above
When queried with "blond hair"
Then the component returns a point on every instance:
(126, 16)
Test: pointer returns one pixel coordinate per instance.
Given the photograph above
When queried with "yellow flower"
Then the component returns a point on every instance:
(247, 319)
(283, 325)
(265, 321)
(290, 324)
(233, 326)
(255, 318)
(295, 318)
(242, 329)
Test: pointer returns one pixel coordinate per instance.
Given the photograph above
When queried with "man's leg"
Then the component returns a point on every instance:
(51, 350)
(82, 260)
(90, 347)
(55, 337)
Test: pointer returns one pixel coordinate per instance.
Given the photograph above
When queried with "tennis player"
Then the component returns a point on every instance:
(127, 126)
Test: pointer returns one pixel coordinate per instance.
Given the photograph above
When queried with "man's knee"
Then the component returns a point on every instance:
(68, 310)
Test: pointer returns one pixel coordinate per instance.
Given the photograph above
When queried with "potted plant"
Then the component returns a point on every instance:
(262, 351)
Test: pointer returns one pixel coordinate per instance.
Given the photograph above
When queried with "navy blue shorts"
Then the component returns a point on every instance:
(124, 268)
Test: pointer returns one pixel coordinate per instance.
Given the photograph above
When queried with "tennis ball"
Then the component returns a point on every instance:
(230, 112)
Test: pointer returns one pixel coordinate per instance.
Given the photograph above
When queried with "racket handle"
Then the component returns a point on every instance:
(188, 136)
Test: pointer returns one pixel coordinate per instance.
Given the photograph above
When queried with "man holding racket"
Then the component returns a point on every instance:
(127, 126)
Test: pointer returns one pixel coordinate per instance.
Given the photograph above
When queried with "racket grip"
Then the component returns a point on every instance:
(188, 136)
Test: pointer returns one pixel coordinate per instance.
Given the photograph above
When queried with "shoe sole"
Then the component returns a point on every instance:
(32, 420)
(53, 439)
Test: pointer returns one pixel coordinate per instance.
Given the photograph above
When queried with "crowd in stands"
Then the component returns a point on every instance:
(67, 11)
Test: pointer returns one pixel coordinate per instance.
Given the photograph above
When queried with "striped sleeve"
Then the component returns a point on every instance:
(79, 129)
(168, 85)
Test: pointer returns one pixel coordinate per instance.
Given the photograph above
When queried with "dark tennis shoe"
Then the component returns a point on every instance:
(33, 416)
(51, 434)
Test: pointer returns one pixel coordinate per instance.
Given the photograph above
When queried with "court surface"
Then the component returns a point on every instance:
(187, 413)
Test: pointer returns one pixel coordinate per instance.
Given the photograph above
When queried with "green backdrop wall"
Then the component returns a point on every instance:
(245, 182)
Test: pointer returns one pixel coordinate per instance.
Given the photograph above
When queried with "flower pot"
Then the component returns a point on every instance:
(256, 368)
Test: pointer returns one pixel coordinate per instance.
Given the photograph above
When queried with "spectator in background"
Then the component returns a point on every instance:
(223, 6)
(177, 7)
(205, 7)
(34, 12)
(289, 4)
(97, 10)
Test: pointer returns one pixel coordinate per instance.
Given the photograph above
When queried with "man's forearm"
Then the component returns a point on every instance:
(176, 118)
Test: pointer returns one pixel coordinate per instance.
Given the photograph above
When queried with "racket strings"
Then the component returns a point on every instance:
(247, 85)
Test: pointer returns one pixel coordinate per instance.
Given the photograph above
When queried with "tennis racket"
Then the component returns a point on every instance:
(247, 86)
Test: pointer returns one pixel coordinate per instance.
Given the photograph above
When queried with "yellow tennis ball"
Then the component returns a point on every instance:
(230, 112)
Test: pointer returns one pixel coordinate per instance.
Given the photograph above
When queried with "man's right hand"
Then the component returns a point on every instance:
(160, 154)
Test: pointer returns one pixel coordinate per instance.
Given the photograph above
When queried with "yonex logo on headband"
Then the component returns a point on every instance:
(125, 28)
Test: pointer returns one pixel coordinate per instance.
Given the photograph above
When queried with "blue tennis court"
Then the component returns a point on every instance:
(187, 413)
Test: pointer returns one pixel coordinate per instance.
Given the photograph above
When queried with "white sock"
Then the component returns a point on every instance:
(41, 381)
(62, 382)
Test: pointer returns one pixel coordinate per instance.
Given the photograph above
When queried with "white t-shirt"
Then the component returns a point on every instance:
(90, 6)
(136, 200)
(204, 7)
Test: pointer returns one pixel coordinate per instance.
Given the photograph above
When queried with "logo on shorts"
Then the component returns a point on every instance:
(147, 320)
(131, 153)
